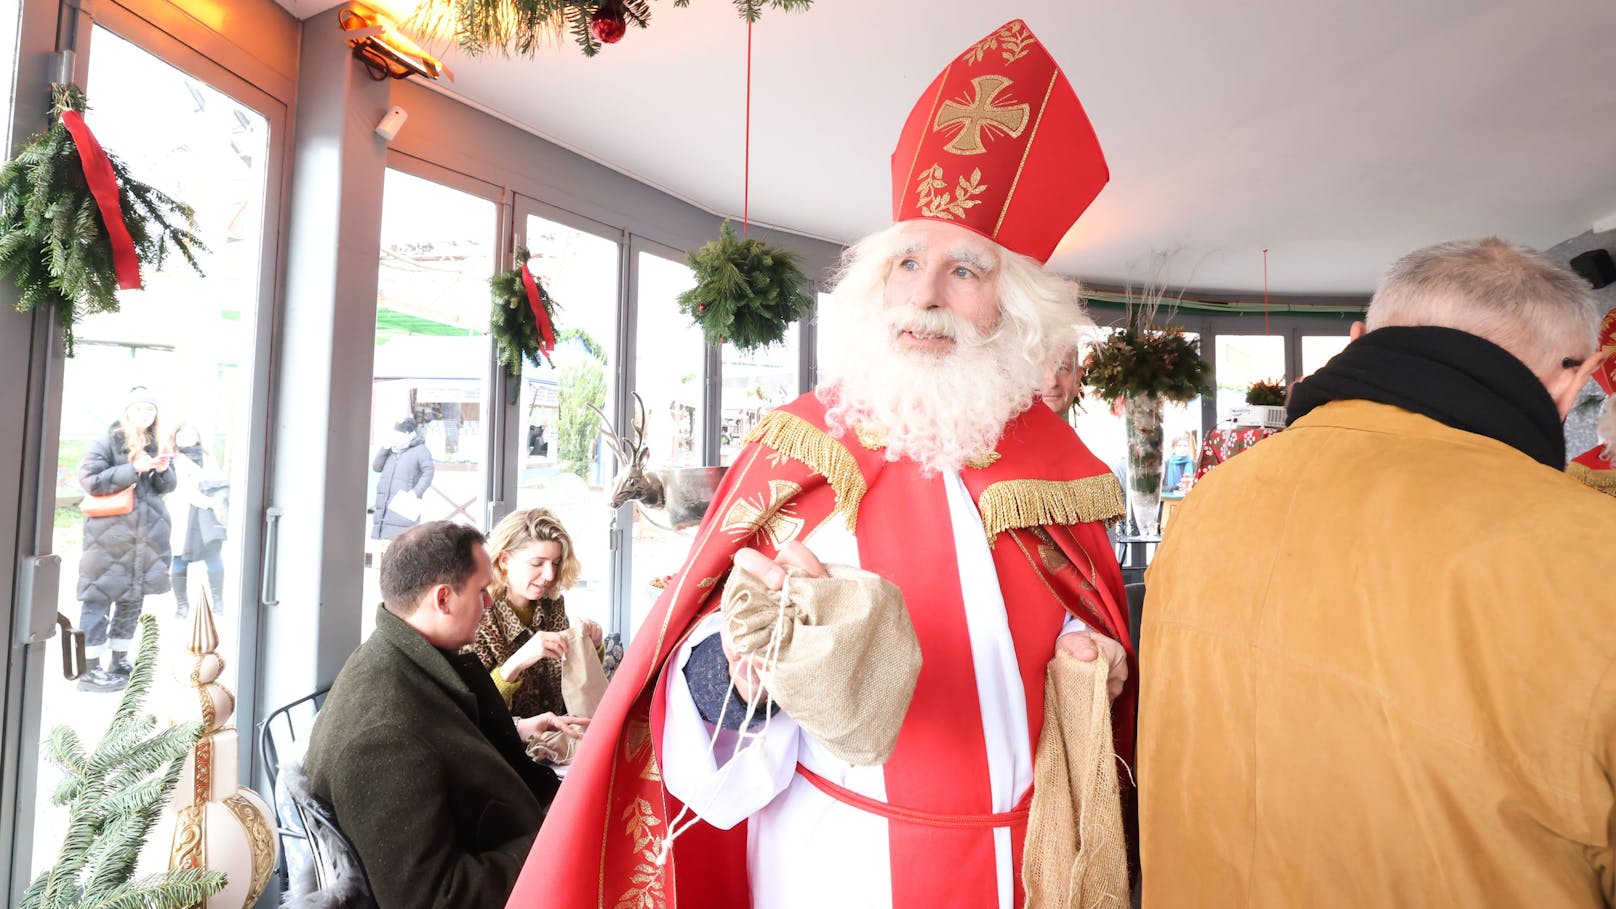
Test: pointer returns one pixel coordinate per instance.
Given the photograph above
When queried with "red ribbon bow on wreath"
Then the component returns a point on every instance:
(104, 187)
(547, 340)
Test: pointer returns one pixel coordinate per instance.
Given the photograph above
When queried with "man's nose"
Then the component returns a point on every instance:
(925, 289)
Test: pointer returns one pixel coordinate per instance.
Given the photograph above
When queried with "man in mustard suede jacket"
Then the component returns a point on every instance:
(415, 752)
(1379, 649)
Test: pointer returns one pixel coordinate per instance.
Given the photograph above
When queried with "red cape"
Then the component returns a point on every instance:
(1044, 499)
(1594, 469)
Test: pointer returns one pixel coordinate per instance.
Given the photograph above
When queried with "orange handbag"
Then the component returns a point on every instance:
(120, 502)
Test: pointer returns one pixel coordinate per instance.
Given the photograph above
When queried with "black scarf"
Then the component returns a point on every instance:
(194, 452)
(1451, 376)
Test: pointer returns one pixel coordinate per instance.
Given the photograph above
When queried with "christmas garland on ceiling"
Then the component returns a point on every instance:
(523, 26)
(75, 227)
(523, 320)
(746, 292)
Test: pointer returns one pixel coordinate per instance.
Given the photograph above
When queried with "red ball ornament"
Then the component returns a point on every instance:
(607, 25)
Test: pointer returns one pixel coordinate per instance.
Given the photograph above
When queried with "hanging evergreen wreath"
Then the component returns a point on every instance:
(746, 291)
(522, 26)
(62, 244)
(523, 321)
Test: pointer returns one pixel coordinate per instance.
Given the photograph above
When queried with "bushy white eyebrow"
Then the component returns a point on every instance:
(961, 255)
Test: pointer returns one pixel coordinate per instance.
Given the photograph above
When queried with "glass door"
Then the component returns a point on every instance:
(166, 394)
(429, 395)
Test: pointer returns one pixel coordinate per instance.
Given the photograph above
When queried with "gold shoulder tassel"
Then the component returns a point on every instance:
(1602, 480)
(796, 438)
(1035, 503)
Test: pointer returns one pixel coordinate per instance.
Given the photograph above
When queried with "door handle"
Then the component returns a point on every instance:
(272, 539)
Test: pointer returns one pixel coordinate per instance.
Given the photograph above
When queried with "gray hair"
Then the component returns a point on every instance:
(1514, 296)
(1041, 307)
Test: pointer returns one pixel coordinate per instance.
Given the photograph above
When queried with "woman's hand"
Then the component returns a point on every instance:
(543, 645)
(146, 463)
(594, 631)
(571, 726)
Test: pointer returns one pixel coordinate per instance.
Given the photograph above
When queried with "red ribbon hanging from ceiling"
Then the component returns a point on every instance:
(104, 187)
(746, 166)
(535, 302)
(1265, 290)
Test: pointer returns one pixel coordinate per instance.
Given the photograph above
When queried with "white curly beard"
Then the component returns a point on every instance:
(938, 409)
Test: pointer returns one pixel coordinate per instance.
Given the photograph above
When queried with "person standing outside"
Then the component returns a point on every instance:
(126, 554)
(406, 469)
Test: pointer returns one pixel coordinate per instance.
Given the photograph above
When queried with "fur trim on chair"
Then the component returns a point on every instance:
(330, 876)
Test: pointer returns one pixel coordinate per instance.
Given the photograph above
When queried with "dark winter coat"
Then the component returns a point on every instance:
(126, 556)
(425, 775)
(410, 469)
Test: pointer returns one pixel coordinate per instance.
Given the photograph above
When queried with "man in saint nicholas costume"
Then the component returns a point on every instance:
(1596, 467)
(925, 458)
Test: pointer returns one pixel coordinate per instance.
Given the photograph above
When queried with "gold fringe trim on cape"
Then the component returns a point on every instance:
(1602, 480)
(1015, 504)
(796, 438)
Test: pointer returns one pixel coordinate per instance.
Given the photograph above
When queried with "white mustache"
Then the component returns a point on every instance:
(934, 323)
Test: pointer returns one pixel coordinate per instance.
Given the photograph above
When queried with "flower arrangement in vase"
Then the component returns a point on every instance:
(1144, 364)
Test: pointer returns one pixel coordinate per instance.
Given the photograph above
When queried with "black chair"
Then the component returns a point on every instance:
(1136, 609)
(284, 735)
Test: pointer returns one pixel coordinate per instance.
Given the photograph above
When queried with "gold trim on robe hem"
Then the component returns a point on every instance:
(796, 438)
(1013, 504)
(1602, 480)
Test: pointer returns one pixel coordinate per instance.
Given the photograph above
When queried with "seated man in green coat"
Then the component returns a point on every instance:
(415, 752)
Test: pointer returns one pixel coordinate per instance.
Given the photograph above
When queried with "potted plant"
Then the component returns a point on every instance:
(1267, 400)
(1143, 365)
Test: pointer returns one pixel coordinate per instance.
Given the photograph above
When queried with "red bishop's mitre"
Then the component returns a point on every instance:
(1605, 375)
(1000, 144)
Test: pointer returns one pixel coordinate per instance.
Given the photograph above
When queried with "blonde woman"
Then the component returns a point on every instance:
(521, 640)
(126, 552)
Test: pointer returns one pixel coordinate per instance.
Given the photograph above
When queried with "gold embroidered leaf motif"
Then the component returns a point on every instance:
(705, 583)
(947, 208)
(1014, 40)
(646, 891)
(976, 53)
(768, 516)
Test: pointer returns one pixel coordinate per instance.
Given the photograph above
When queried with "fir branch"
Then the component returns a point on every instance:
(123, 787)
(53, 242)
(511, 320)
(746, 292)
(182, 887)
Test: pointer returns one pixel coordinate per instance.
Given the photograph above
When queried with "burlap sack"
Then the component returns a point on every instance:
(848, 656)
(1075, 856)
(583, 683)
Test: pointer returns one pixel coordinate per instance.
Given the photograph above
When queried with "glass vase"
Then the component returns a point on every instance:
(1144, 423)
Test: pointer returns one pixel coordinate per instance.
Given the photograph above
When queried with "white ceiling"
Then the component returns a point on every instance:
(1338, 135)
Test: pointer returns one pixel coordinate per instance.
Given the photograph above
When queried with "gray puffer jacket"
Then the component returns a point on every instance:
(410, 469)
(126, 557)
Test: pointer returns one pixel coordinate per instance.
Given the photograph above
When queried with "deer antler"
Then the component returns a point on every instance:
(633, 482)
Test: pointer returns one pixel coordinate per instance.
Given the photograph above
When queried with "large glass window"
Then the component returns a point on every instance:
(1318, 349)
(428, 397)
(159, 392)
(755, 382)
(1242, 360)
(564, 465)
(670, 354)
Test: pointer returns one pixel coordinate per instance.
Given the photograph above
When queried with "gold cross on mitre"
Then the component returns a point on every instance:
(981, 114)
